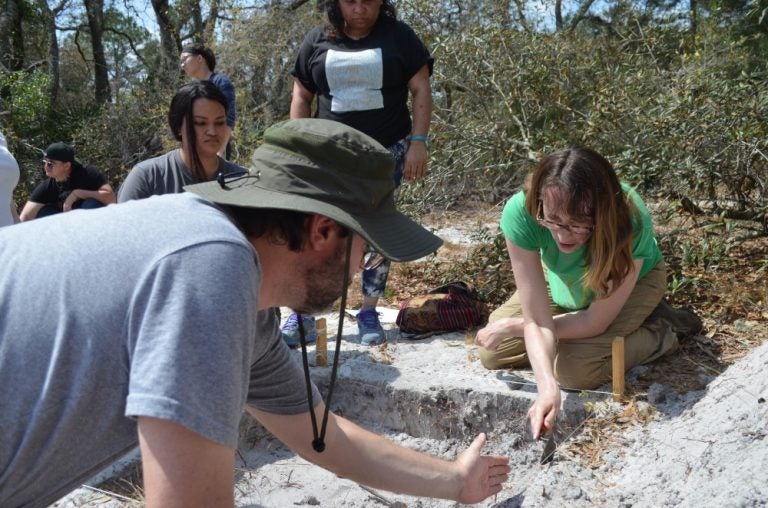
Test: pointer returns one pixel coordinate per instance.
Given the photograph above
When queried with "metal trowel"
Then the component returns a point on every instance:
(550, 445)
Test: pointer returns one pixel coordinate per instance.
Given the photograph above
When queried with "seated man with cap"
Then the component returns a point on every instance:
(69, 185)
(167, 355)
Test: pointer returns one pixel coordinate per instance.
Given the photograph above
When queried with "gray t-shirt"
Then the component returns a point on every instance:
(144, 308)
(166, 174)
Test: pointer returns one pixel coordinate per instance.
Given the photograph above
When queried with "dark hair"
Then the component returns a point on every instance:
(280, 227)
(202, 50)
(334, 21)
(181, 110)
(593, 193)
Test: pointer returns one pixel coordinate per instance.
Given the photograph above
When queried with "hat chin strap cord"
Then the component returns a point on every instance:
(318, 441)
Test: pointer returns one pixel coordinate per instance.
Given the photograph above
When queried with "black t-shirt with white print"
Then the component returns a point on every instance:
(364, 83)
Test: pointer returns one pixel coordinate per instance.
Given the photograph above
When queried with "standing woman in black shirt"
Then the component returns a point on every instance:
(361, 66)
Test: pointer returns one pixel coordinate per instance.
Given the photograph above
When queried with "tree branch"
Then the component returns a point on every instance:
(521, 16)
(130, 43)
(296, 4)
(582, 14)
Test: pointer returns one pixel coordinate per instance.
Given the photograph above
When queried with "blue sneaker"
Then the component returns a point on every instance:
(290, 330)
(371, 332)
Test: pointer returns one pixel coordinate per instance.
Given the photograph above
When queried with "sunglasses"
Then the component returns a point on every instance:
(371, 259)
(48, 163)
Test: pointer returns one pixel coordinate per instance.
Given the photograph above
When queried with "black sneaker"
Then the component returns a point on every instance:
(683, 321)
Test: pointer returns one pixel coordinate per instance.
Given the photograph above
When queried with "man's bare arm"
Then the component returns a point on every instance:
(183, 468)
(367, 458)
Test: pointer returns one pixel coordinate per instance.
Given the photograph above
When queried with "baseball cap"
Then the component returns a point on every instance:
(60, 152)
(325, 167)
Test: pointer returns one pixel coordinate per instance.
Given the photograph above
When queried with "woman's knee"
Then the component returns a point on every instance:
(510, 308)
(491, 360)
(510, 354)
(575, 375)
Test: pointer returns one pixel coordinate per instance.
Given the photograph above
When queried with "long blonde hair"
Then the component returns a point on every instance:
(592, 193)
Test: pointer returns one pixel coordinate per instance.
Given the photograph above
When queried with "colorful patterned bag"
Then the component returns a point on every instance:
(447, 308)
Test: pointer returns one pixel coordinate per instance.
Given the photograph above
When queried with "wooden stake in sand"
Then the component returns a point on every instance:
(321, 346)
(617, 353)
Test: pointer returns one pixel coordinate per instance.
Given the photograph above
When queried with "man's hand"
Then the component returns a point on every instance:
(483, 475)
(543, 413)
(415, 164)
(73, 196)
(491, 336)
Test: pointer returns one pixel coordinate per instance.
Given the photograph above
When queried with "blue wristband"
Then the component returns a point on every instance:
(420, 137)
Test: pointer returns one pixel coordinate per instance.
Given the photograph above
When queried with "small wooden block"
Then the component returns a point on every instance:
(617, 354)
(321, 345)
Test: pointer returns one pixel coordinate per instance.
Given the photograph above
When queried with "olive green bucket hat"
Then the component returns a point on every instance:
(325, 167)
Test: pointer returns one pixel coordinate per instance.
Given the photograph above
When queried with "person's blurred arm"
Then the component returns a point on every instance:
(30, 211)
(15, 213)
(362, 456)
(301, 101)
(182, 468)
(417, 157)
(228, 89)
(104, 195)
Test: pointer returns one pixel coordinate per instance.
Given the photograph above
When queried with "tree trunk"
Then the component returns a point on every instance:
(694, 17)
(170, 42)
(198, 26)
(558, 15)
(210, 23)
(53, 45)
(202, 28)
(95, 11)
(11, 35)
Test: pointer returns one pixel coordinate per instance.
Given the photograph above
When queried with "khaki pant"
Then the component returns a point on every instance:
(586, 363)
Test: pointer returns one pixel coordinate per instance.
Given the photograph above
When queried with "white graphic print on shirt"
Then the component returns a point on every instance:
(355, 79)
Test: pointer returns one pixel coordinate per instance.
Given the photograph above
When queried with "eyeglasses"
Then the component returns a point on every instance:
(555, 226)
(371, 259)
(224, 178)
(48, 164)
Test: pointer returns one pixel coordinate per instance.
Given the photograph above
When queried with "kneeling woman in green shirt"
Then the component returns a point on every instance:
(588, 269)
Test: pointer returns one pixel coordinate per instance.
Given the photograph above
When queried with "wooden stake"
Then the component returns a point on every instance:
(617, 353)
(321, 345)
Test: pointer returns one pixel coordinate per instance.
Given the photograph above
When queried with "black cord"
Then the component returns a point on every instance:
(318, 441)
(307, 381)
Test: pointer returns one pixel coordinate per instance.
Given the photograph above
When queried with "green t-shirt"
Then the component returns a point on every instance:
(565, 271)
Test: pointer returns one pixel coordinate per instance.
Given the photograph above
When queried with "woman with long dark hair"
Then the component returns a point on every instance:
(587, 269)
(198, 120)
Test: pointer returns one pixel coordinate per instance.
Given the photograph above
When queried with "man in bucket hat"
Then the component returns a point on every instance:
(168, 351)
